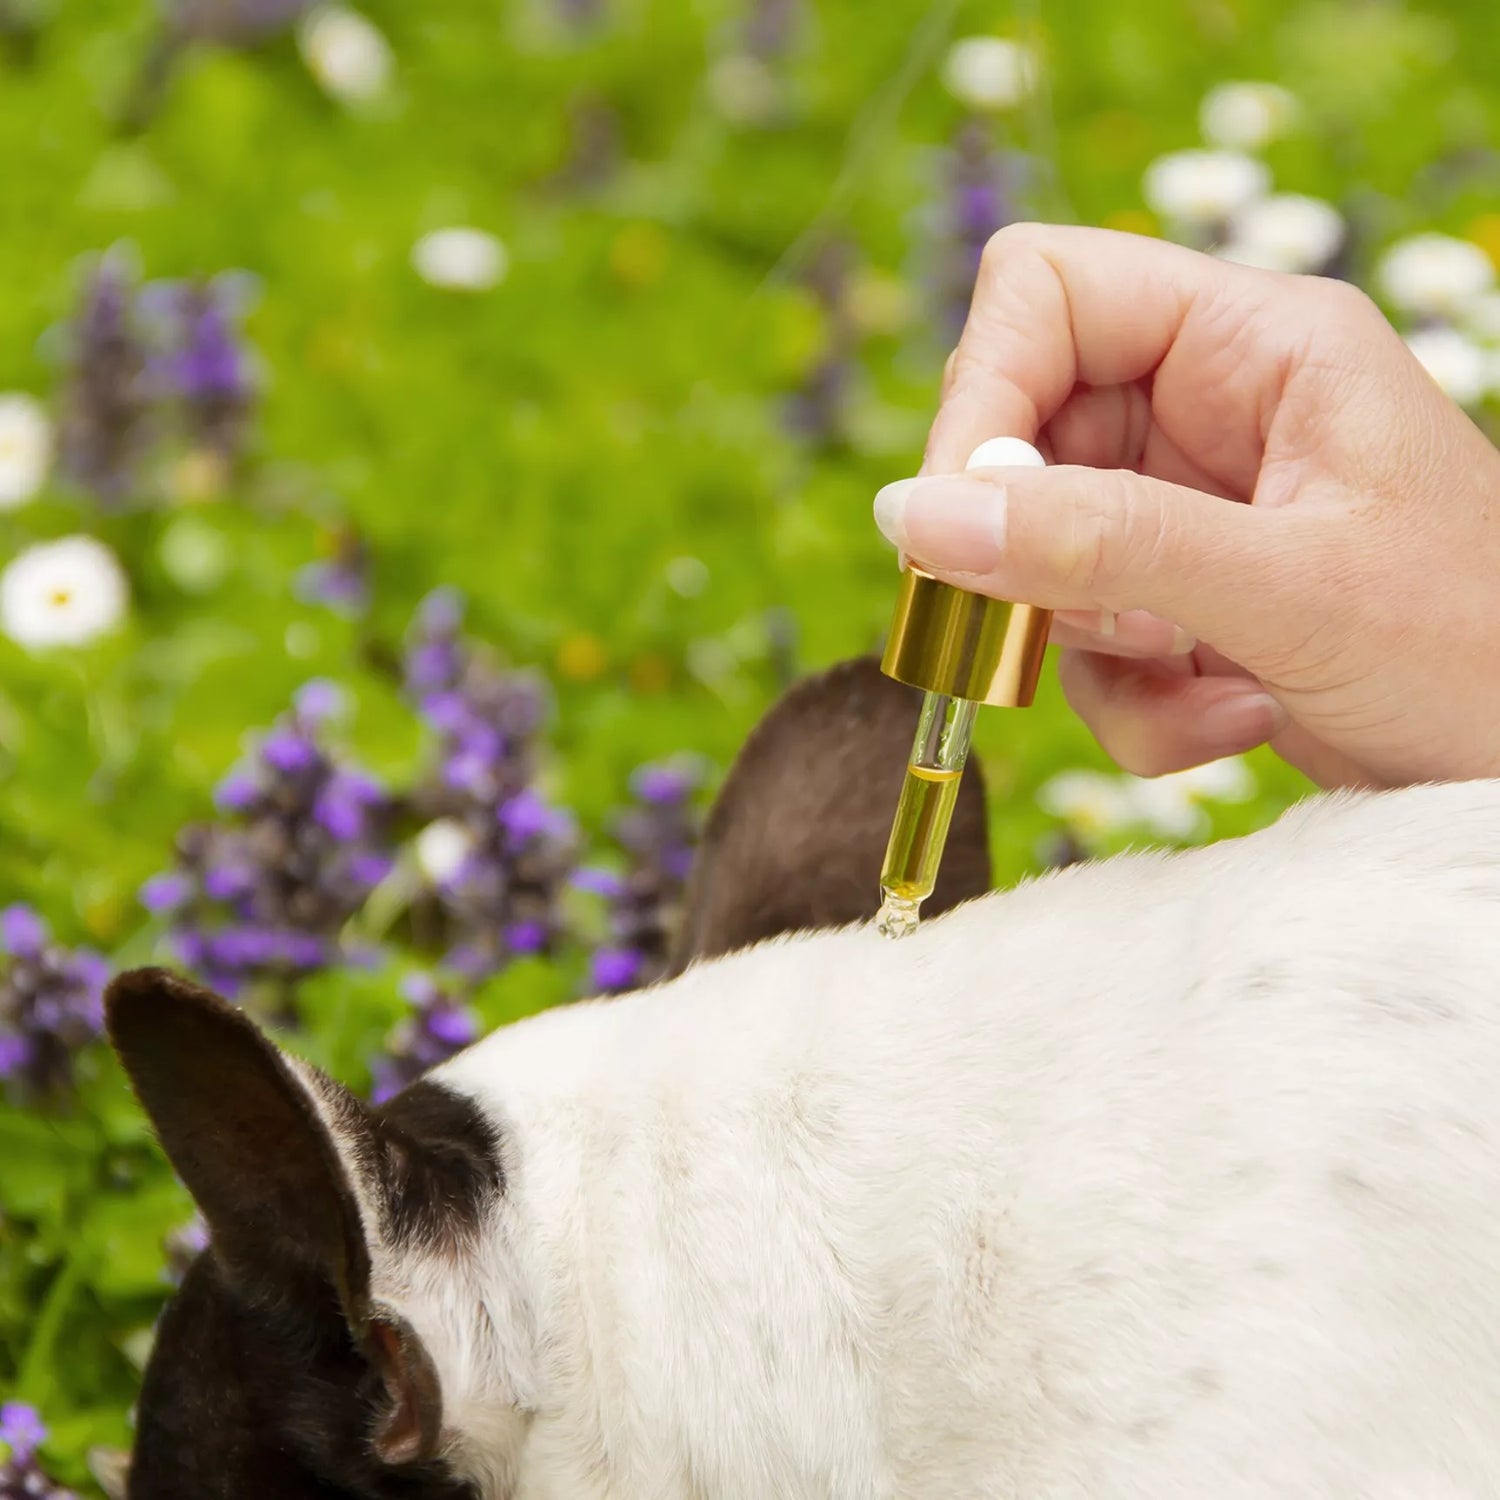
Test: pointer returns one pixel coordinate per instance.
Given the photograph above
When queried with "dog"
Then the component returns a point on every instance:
(1170, 1176)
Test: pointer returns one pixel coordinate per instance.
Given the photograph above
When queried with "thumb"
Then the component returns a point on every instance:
(1078, 538)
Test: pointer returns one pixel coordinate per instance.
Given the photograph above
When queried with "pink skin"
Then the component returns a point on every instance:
(1346, 609)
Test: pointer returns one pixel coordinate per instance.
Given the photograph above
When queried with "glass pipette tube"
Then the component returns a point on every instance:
(929, 794)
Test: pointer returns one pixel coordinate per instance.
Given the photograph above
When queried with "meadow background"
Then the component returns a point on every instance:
(473, 409)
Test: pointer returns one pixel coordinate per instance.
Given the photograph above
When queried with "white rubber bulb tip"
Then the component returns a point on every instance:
(1005, 453)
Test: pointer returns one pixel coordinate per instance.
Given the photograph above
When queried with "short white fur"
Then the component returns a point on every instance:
(1170, 1177)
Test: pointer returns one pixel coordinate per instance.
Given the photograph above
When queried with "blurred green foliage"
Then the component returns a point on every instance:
(552, 446)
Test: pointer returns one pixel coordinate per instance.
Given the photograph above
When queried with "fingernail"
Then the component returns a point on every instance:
(946, 522)
(1101, 622)
(1182, 643)
(1242, 721)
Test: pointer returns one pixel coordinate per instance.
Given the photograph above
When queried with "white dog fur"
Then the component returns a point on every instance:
(1171, 1177)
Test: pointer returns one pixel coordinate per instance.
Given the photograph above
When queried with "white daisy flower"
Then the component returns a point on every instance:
(63, 593)
(460, 260)
(1172, 806)
(347, 54)
(1246, 116)
(1285, 232)
(687, 576)
(25, 449)
(1462, 367)
(1199, 188)
(1227, 780)
(743, 89)
(1092, 802)
(1481, 317)
(1168, 810)
(1169, 806)
(441, 848)
(1434, 274)
(990, 72)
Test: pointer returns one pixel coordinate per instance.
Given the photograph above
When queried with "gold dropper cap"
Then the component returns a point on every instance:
(947, 640)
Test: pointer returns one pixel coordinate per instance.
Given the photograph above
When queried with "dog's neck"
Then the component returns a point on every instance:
(676, 1215)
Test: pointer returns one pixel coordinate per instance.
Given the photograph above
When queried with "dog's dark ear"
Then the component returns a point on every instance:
(246, 1134)
(287, 1169)
(798, 833)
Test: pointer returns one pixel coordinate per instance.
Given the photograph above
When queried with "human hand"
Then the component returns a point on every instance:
(1347, 609)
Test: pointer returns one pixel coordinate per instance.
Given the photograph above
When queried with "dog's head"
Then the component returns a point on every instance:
(291, 1364)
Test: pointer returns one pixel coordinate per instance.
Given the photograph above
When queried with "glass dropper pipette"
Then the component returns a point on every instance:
(961, 649)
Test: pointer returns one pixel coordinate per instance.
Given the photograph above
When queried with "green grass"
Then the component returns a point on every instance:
(549, 447)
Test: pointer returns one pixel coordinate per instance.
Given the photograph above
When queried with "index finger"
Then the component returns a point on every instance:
(1057, 307)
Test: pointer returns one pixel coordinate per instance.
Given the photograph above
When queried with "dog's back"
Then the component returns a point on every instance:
(1176, 1176)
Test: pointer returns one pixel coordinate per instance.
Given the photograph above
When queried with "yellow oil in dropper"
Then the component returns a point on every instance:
(929, 794)
(962, 649)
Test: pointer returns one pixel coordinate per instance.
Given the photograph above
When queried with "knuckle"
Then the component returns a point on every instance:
(1005, 245)
(1347, 302)
(1108, 529)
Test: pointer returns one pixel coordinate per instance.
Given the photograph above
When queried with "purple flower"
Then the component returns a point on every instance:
(342, 582)
(616, 968)
(981, 196)
(21, 1430)
(264, 896)
(369, 868)
(339, 813)
(598, 882)
(471, 960)
(166, 892)
(237, 792)
(441, 613)
(421, 989)
(662, 784)
(336, 586)
(524, 816)
(454, 1027)
(243, 948)
(503, 899)
(15, 1054)
(438, 1027)
(201, 370)
(526, 937)
(657, 836)
(288, 751)
(430, 664)
(22, 932)
(222, 882)
(51, 1006)
(209, 364)
(319, 701)
(303, 950)
(106, 417)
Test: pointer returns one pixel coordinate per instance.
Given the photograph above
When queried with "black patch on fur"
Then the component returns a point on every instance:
(797, 835)
(244, 1401)
(442, 1166)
